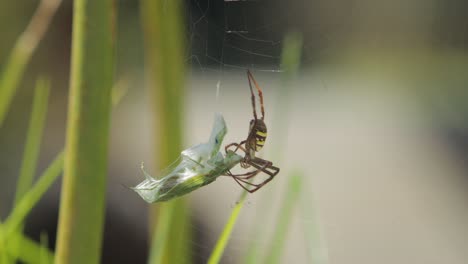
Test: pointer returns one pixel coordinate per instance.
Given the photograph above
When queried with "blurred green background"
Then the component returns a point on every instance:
(376, 122)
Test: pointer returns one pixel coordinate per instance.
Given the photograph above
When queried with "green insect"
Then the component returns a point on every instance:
(199, 165)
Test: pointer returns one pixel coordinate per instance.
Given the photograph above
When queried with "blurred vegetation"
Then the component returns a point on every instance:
(165, 73)
(82, 202)
(438, 79)
(21, 54)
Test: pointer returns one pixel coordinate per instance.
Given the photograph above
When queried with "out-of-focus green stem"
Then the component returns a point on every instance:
(29, 252)
(32, 146)
(26, 203)
(290, 62)
(165, 69)
(82, 206)
(284, 218)
(30, 156)
(32, 196)
(218, 251)
(159, 243)
(44, 253)
(22, 51)
(317, 251)
(33, 138)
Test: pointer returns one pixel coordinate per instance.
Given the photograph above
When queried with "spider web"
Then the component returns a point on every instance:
(236, 35)
(232, 35)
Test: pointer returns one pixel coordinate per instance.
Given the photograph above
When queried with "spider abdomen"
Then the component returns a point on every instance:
(260, 137)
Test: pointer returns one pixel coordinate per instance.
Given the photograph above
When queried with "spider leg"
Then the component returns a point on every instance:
(266, 165)
(252, 95)
(256, 186)
(260, 94)
(243, 174)
(245, 188)
(238, 146)
(263, 165)
(244, 164)
(230, 174)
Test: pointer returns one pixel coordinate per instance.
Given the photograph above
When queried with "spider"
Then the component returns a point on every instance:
(254, 143)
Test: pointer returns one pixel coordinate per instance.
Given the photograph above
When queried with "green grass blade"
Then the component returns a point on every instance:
(284, 218)
(316, 248)
(174, 215)
(33, 138)
(164, 42)
(119, 90)
(46, 179)
(29, 252)
(163, 226)
(82, 203)
(4, 254)
(13, 223)
(290, 63)
(24, 47)
(181, 233)
(32, 146)
(221, 244)
(32, 197)
(44, 257)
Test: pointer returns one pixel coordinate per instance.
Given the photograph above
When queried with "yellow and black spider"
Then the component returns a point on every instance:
(254, 143)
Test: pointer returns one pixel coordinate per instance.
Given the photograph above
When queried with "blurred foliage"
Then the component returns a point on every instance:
(423, 44)
(82, 202)
(164, 41)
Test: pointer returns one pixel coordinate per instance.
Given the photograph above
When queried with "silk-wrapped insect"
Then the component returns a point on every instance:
(199, 165)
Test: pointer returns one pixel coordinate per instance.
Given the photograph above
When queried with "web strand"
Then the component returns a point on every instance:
(222, 45)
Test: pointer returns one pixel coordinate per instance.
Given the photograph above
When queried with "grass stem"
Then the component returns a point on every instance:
(29, 252)
(290, 62)
(221, 244)
(32, 196)
(277, 244)
(33, 138)
(163, 31)
(82, 206)
(22, 52)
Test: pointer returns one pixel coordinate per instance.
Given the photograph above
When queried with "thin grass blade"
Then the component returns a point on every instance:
(47, 178)
(82, 203)
(278, 242)
(9, 229)
(221, 244)
(317, 251)
(33, 138)
(32, 197)
(29, 252)
(290, 63)
(158, 243)
(4, 254)
(164, 43)
(44, 256)
(22, 52)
